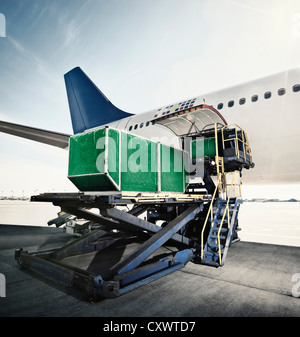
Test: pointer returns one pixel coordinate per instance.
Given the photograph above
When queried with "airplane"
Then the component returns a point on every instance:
(266, 108)
(260, 107)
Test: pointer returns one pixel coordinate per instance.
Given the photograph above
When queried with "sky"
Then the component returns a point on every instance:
(142, 54)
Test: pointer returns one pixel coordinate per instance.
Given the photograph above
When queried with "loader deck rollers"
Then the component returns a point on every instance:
(123, 251)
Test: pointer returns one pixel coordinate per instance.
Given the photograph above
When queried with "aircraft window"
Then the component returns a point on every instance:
(141, 125)
(268, 94)
(296, 87)
(130, 128)
(230, 104)
(220, 106)
(135, 127)
(281, 92)
(254, 98)
(242, 101)
(153, 122)
(147, 124)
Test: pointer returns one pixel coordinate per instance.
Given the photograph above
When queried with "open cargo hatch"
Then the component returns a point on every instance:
(189, 121)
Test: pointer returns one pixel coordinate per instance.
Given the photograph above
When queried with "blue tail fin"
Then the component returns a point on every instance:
(89, 108)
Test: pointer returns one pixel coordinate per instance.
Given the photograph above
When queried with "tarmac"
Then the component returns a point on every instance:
(257, 280)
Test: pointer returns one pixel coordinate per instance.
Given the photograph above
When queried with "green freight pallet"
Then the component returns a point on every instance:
(203, 147)
(111, 160)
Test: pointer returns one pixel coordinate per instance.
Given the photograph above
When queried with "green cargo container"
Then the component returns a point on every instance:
(138, 164)
(90, 169)
(113, 160)
(173, 169)
(203, 147)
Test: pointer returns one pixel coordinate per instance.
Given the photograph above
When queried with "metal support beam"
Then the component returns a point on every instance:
(156, 241)
(108, 224)
(127, 218)
(93, 286)
(40, 264)
(138, 210)
(84, 244)
(151, 278)
(59, 221)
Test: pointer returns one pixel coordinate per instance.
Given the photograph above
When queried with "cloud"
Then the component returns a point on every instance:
(39, 64)
(73, 30)
(72, 27)
(24, 51)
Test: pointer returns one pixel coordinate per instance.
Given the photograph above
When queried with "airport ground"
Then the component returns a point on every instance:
(259, 278)
(263, 222)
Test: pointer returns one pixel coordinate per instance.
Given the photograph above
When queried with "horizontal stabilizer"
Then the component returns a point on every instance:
(43, 136)
(89, 107)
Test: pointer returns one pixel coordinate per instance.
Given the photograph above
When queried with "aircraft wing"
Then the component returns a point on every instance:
(43, 136)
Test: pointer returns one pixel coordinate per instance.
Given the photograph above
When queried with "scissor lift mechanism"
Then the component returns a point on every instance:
(118, 229)
(125, 251)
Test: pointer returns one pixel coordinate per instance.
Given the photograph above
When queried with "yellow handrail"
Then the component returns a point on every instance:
(210, 210)
(221, 186)
(222, 221)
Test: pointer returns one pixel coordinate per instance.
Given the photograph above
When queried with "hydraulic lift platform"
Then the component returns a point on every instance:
(127, 251)
(136, 237)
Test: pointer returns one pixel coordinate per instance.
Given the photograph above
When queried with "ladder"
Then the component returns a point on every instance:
(221, 232)
(222, 215)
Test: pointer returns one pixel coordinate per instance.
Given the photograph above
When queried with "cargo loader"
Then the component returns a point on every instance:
(145, 210)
